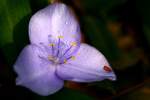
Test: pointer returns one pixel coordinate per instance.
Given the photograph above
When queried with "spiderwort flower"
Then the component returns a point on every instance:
(56, 54)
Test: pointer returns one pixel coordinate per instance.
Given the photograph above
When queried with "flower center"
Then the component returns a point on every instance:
(61, 52)
(55, 60)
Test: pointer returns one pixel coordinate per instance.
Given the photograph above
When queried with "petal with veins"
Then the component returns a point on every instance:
(35, 73)
(56, 20)
(87, 66)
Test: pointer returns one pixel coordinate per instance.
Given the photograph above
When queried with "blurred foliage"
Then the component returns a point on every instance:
(69, 94)
(65, 94)
(143, 93)
(100, 7)
(143, 9)
(98, 35)
(11, 13)
(14, 17)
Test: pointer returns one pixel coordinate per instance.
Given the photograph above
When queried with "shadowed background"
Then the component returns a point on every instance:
(120, 29)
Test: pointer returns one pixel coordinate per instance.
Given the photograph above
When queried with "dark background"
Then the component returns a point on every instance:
(120, 29)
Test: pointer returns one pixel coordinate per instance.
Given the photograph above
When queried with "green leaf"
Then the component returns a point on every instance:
(14, 17)
(11, 12)
(105, 85)
(69, 94)
(66, 94)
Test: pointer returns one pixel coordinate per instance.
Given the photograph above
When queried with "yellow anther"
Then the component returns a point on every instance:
(73, 43)
(50, 57)
(60, 37)
(51, 44)
(65, 61)
(73, 57)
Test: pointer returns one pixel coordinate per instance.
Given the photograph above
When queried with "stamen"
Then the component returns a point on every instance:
(73, 43)
(66, 51)
(53, 59)
(50, 58)
(72, 57)
(65, 61)
(60, 37)
(56, 60)
(51, 44)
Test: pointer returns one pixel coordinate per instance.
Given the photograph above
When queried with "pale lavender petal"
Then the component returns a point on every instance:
(88, 65)
(36, 73)
(56, 20)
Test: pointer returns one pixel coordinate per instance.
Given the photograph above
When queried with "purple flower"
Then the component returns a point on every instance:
(56, 54)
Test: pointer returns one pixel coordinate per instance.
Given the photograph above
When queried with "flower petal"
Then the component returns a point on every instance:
(57, 21)
(87, 66)
(36, 73)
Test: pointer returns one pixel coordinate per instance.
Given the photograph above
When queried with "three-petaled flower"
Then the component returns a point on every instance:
(56, 53)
